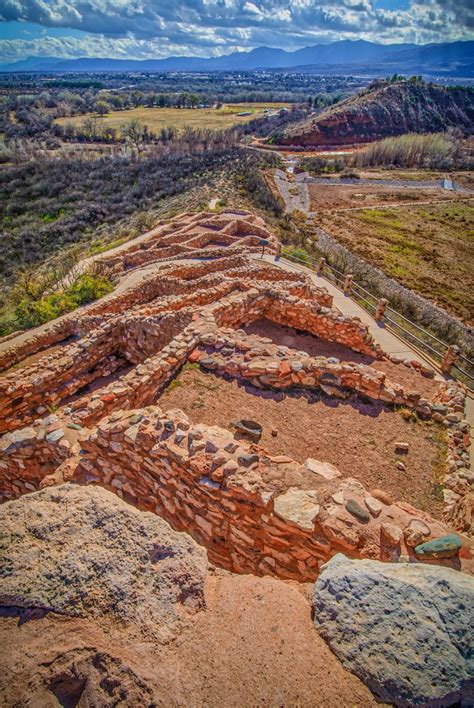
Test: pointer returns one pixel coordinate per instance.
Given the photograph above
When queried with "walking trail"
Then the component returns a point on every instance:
(347, 306)
(389, 342)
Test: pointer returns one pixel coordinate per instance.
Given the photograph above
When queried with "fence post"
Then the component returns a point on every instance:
(449, 358)
(380, 311)
(348, 284)
(321, 265)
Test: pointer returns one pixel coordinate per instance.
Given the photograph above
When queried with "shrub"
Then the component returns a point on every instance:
(298, 253)
(84, 194)
(86, 288)
(89, 287)
(435, 150)
(349, 174)
(323, 165)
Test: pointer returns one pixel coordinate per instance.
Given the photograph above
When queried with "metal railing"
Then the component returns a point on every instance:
(447, 357)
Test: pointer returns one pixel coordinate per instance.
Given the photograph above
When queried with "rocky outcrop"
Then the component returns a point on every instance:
(82, 551)
(405, 630)
(391, 109)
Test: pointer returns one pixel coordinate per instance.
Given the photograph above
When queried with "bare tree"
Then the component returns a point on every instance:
(135, 133)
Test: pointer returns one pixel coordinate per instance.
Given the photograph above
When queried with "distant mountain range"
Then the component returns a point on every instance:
(345, 57)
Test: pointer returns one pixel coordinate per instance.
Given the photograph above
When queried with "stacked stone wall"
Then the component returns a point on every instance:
(29, 455)
(222, 491)
(133, 343)
(84, 362)
(56, 332)
(203, 481)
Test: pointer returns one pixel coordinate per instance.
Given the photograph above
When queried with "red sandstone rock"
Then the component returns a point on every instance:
(382, 496)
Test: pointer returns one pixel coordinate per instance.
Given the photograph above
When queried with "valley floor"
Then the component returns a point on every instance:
(427, 248)
(401, 221)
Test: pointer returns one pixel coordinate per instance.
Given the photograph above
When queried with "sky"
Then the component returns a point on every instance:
(145, 29)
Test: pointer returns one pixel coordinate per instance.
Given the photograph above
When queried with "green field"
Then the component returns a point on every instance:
(428, 248)
(179, 118)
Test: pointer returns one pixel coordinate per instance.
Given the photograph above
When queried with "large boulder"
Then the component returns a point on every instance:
(405, 629)
(82, 551)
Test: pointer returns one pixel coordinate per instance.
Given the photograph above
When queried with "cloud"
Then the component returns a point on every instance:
(213, 27)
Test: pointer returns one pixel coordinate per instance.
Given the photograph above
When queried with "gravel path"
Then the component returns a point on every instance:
(411, 184)
(298, 201)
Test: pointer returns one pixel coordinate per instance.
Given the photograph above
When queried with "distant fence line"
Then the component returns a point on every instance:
(446, 356)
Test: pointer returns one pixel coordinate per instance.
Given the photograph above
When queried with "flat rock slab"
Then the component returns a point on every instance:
(443, 547)
(322, 469)
(83, 551)
(404, 629)
(298, 507)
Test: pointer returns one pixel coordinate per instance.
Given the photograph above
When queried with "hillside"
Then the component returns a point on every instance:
(388, 109)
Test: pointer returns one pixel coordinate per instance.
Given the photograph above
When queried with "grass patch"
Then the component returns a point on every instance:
(86, 288)
(179, 118)
(50, 218)
(189, 366)
(408, 415)
(411, 150)
(98, 247)
(428, 248)
(175, 383)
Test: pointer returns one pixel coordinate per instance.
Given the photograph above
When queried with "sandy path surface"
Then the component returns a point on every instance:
(254, 645)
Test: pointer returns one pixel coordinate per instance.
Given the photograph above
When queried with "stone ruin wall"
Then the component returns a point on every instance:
(200, 479)
(223, 351)
(221, 491)
(136, 338)
(142, 385)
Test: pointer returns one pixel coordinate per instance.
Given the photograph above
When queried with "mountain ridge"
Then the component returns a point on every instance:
(456, 58)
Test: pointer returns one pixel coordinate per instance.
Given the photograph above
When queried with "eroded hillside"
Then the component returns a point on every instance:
(384, 110)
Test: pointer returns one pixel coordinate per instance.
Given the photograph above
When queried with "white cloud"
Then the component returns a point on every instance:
(212, 27)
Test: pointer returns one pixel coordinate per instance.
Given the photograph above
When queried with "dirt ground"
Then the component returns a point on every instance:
(254, 645)
(337, 196)
(358, 437)
(463, 178)
(314, 346)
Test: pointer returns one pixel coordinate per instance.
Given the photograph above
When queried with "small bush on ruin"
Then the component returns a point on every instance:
(85, 288)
